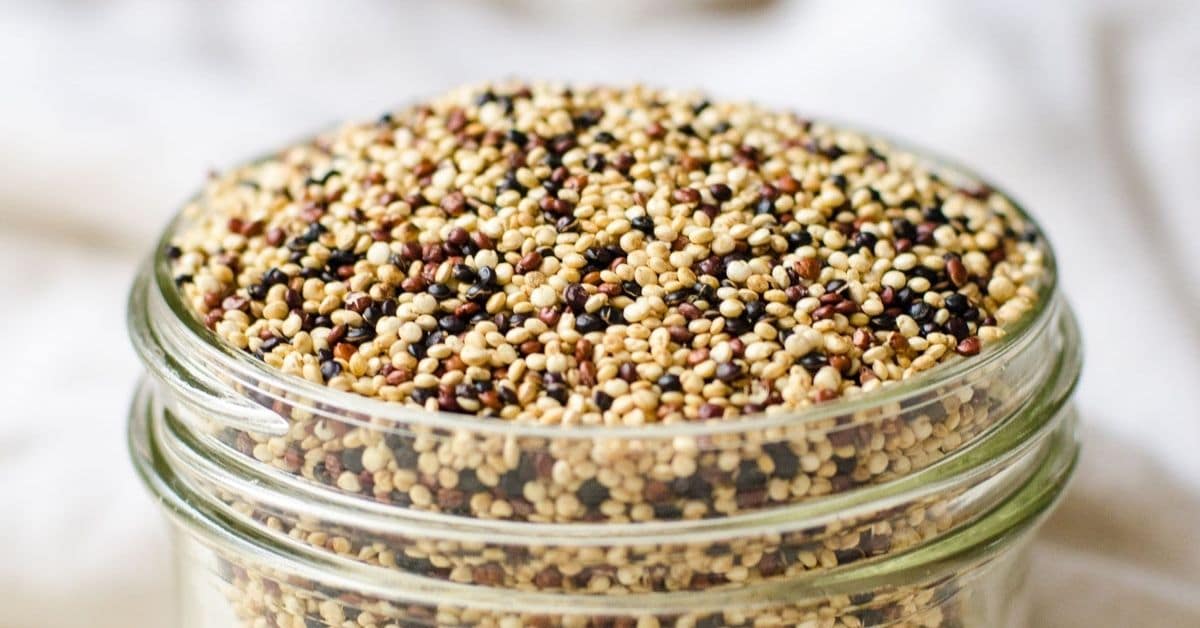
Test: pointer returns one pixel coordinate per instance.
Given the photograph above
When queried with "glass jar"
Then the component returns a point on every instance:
(298, 505)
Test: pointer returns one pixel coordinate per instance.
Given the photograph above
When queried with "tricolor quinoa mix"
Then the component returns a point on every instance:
(601, 256)
(595, 256)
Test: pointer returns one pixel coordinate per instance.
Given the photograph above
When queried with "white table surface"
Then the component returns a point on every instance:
(111, 112)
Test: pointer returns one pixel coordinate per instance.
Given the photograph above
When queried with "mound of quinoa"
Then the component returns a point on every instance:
(597, 255)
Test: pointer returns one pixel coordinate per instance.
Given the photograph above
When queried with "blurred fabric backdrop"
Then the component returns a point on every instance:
(111, 112)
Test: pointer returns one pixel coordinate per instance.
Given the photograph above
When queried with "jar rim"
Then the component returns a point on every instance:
(155, 296)
(1005, 443)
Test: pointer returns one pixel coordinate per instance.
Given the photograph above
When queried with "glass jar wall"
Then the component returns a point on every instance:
(295, 504)
(238, 567)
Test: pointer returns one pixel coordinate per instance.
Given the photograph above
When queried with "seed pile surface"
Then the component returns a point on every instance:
(601, 256)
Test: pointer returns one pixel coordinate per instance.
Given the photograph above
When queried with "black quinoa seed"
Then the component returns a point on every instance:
(330, 369)
(592, 493)
(586, 323)
(813, 361)
(957, 303)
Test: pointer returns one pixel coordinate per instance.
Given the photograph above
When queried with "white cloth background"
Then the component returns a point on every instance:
(111, 112)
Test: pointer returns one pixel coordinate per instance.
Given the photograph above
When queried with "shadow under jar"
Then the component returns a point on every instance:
(299, 505)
